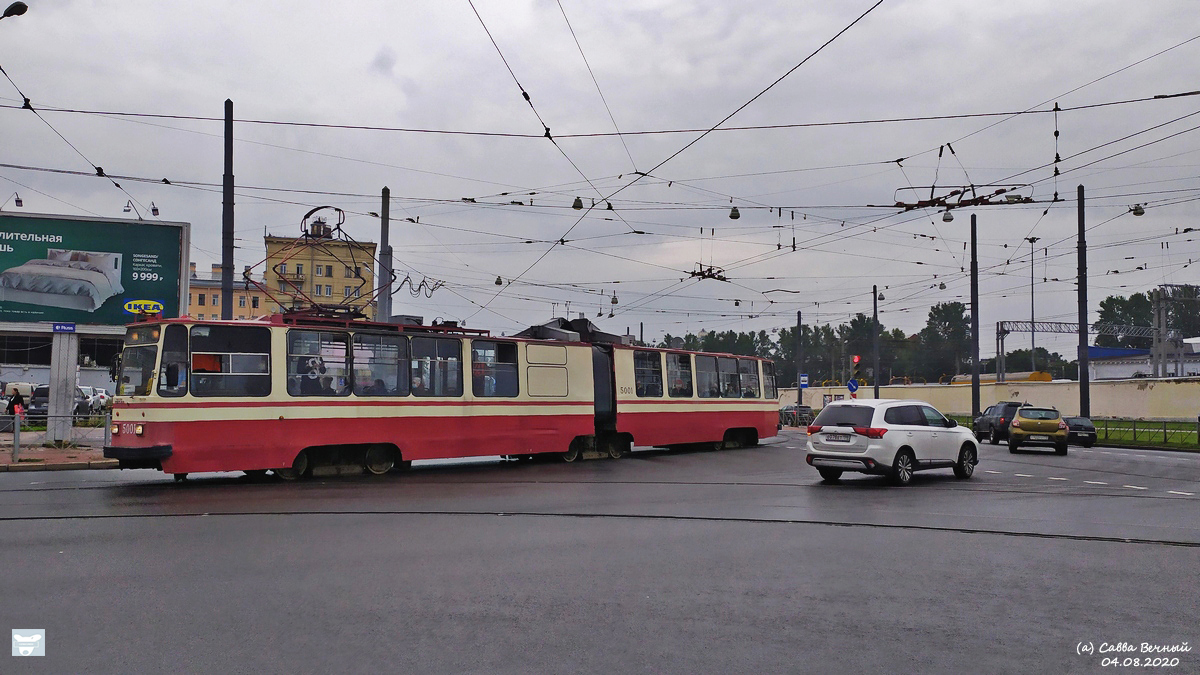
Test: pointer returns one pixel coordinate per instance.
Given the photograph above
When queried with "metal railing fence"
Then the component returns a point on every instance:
(63, 431)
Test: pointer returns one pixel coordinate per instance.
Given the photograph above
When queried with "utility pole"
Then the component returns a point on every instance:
(974, 321)
(799, 356)
(1085, 394)
(1032, 331)
(383, 296)
(227, 218)
(875, 336)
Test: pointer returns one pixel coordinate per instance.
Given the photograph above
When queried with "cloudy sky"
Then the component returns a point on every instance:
(911, 80)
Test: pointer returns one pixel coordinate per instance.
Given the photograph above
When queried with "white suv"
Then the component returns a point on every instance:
(888, 437)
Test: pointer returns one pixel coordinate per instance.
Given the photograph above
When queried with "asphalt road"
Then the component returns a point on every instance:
(731, 561)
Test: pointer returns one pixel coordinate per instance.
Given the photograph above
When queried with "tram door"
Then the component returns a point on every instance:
(604, 377)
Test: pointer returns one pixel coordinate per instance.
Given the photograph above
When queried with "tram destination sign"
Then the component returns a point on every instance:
(90, 271)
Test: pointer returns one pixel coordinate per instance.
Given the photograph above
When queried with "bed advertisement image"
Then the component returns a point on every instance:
(88, 270)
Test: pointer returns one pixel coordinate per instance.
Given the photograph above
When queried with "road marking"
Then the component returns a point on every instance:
(990, 471)
(1177, 492)
(1135, 487)
(1142, 456)
(1105, 452)
(1056, 478)
(1095, 482)
(1023, 475)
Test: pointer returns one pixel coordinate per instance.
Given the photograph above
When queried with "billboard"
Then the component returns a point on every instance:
(89, 270)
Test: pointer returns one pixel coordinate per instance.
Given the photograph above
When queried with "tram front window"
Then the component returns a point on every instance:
(137, 367)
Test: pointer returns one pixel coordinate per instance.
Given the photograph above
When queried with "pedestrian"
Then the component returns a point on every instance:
(16, 404)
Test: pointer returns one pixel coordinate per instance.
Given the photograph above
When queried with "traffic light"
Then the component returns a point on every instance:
(856, 368)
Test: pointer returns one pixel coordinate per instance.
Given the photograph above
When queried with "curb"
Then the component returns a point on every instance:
(1164, 448)
(60, 466)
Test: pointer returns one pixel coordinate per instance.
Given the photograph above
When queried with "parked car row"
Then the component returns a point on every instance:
(796, 415)
(87, 400)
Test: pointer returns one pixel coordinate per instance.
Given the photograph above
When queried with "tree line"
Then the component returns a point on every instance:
(939, 351)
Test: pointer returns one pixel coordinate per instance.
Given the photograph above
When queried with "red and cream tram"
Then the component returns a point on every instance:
(303, 392)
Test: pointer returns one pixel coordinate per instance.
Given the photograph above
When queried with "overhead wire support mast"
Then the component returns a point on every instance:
(1003, 328)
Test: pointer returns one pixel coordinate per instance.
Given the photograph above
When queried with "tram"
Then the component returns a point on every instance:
(299, 393)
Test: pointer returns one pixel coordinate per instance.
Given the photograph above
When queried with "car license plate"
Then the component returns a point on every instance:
(1039, 438)
(838, 438)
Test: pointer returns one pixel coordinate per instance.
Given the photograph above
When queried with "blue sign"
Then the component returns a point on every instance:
(804, 381)
(64, 328)
(852, 385)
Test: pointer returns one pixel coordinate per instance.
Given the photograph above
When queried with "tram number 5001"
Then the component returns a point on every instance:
(626, 390)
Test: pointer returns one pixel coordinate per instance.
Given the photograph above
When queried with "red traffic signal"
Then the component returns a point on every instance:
(855, 358)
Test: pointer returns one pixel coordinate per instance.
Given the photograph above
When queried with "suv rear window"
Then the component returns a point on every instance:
(1038, 414)
(845, 416)
(42, 391)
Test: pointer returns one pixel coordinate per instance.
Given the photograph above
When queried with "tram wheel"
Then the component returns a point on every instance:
(617, 448)
(180, 477)
(379, 459)
(296, 470)
(572, 454)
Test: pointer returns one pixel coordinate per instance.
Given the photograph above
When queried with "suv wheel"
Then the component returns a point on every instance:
(1060, 449)
(965, 466)
(993, 437)
(1012, 445)
(830, 475)
(903, 467)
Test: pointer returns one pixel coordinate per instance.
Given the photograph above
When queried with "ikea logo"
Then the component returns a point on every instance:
(143, 307)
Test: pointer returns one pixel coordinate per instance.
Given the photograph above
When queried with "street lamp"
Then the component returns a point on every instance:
(15, 9)
(16, 201)
(1032, 332)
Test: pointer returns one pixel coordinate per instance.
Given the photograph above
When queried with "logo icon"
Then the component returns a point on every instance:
(143, 307)
(29, 642)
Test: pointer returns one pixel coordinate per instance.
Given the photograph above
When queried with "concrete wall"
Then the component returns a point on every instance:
(1138, 398)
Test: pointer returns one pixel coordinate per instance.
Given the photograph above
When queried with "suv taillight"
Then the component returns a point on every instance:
(1062, 424)
(870, 432)
(812, 429)
(1016, 424)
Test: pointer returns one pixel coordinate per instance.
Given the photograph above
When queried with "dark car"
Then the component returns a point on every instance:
(796, 415)
(993, 423)
(39, 403)
(1080, 431)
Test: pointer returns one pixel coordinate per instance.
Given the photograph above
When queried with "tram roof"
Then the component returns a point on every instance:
(578, 331)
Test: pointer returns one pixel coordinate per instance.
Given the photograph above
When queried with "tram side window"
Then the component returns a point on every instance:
(708, 382)
(769, 380)
(647, 373)
(230, 361)
(748, 373)
(679, 375)
(436, 367)
(730, 383)
(173, 374)
(380, 365)
(494, 368)
(318, 363)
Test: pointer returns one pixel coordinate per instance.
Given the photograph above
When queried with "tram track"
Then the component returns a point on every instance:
(623, 516)
(346, 483)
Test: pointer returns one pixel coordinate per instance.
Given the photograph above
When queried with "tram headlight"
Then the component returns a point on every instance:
(138, 429)
(114, 429)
